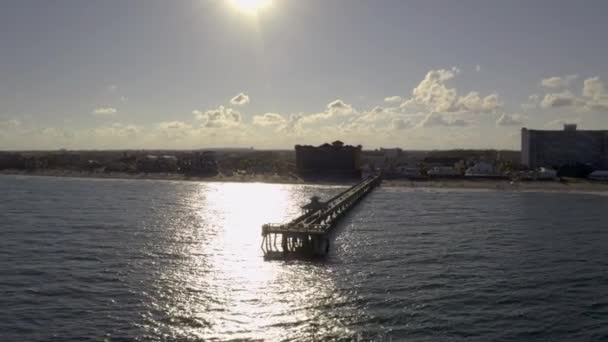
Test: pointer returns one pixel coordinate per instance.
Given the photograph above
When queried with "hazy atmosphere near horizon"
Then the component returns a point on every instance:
(187, 74)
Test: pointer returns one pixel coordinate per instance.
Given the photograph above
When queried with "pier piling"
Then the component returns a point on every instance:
(308, 236)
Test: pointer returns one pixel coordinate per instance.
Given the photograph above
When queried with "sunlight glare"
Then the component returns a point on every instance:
(250, 6)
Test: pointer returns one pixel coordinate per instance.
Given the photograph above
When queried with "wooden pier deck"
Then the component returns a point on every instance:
(307, 236)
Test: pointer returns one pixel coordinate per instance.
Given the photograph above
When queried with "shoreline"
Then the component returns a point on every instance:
(269, 179)
(570, 186)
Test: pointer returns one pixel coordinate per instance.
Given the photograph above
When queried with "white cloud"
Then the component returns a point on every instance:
(564, 99)
(393, 99)
(240, 100)
(9, 124)
(532, 102)
(335, 109)
(377, 110)
(401, 124)
(435, 96)
(269, 119)
(557, 82)
(105, 111)
(510, 120)
(601, 106)
(594, 88)
(117, 129)
(221, 117)
(478, 68)
(174, 129)
(433, 93)
(472, 102)
(339, 107)
(436, 119)
(593, 99)
(54, 132)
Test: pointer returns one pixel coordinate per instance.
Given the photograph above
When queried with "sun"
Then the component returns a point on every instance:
(250, 6)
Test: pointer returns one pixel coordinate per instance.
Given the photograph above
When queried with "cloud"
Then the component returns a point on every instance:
(557, 82)
(54, 132)
(118, 129)
(401, 124)
(105, 111)
(174, 129)
(393, 99)
(340, 107)
(472, 102)
(564, 99)
(434, 95)
(478, 68)
(179, 125)
(9, 124)
(559, 123)
(221, 117)
(335, 109)
(510, 120)
(594, 88)
(597, 106)
(532, 102)
(240, 100)
(593, 99)
(377, 110)
(269, 119)
(436, 119)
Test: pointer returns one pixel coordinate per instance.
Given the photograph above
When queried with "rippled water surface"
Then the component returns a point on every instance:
(85, 259)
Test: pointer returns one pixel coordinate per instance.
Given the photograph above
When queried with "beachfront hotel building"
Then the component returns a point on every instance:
(334, 160)
(564, 147)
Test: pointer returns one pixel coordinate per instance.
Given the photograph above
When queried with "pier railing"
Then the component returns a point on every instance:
(308, 234)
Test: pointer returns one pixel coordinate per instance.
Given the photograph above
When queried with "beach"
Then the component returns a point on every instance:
(568, 185)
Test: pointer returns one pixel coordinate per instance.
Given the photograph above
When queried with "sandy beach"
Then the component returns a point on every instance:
(569, 185)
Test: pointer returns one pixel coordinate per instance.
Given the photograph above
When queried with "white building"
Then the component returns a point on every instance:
(443, 171)
(544, 173)
(601, 175)
(481, 169)
(404, 171)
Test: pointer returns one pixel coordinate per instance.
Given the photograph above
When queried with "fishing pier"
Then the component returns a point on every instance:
(308, 235)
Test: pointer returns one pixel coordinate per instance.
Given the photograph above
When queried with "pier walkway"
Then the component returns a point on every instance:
(308, 235)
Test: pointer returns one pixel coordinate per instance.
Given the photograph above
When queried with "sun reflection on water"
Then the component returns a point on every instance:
(222, 288)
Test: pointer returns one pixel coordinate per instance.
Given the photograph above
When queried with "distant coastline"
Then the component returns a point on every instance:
(571, 185)
(155, 176)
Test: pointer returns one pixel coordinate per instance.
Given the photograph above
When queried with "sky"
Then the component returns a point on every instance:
(419, 74)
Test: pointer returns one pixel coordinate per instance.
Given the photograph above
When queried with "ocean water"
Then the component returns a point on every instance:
(114, 260)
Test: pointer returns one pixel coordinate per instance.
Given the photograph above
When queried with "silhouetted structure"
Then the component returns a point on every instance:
(328, 161)
(568, 147)
(199, 164)
(308, 235)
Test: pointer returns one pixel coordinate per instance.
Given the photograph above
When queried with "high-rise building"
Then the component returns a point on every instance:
(566, 147)
(328, 161)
